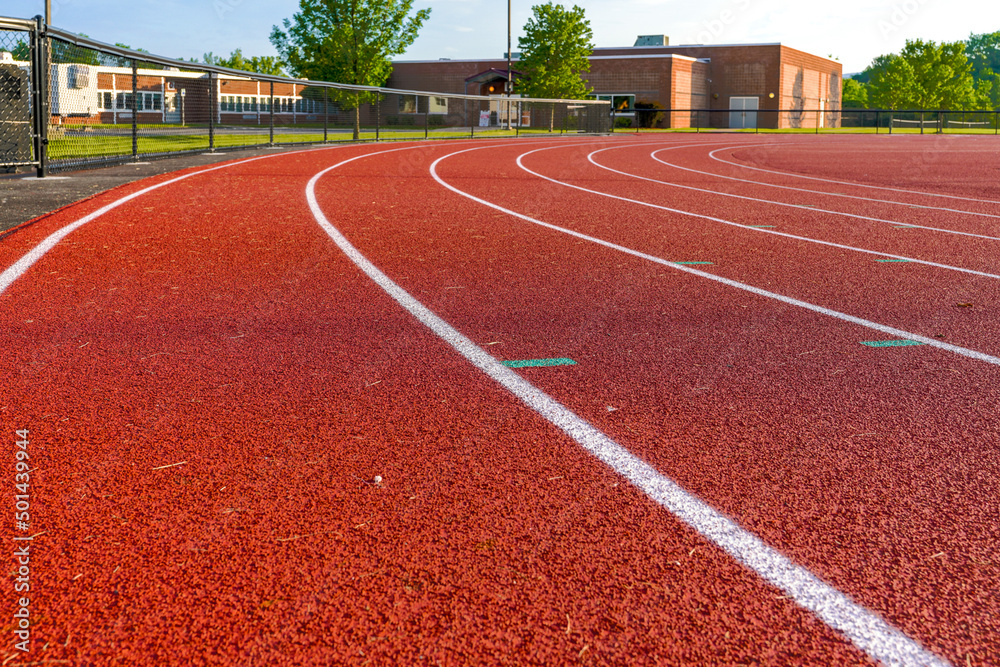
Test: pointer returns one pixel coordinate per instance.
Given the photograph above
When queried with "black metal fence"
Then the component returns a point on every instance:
(70, 102)
(877, 121)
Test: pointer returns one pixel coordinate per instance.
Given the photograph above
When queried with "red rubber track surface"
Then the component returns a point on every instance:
(212, 323)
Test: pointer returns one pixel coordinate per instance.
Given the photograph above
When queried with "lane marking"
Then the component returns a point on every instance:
(18, 268)
(688, 263)
(723, 221)
(892, 260)
(891, 331)
(890, 343)
(866, 629)
(537, 363)
(815, 209)
(820, 192)
(857, 185)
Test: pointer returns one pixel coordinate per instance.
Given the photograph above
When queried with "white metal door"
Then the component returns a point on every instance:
(743, 112)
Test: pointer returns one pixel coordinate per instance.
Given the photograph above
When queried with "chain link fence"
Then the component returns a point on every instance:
(16, 141)
(98, 104)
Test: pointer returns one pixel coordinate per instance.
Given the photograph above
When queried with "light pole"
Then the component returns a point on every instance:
(509, 87)
(48, 12)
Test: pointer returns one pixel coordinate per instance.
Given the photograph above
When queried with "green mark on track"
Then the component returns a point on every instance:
(692, 262)
(533, 363)
(904, 226)
(890, 343)
(892, 260)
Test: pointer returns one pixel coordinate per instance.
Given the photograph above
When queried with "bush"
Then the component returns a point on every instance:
(623, 122)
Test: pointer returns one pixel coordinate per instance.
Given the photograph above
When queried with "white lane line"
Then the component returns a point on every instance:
(866, 629)
(815, 209)
(892, 331)
(723, 221)
(18, 268)
(821, 192)
(857, 185)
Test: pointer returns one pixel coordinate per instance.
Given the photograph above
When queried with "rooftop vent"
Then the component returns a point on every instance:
(652, 40)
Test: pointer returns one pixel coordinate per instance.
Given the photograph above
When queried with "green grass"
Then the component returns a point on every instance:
(85, 145)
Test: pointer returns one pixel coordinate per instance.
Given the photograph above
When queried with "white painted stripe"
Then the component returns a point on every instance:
(830, 194)
(18, 268)
(751, 228)
(856, 185)
(892, 331)
(864, 628)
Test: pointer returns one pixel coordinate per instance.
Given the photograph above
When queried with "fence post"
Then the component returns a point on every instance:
(39, 87)
(271, 123)
(326, 114)
(378, 117)
(135, 110)
(212, 97)
(427, 118)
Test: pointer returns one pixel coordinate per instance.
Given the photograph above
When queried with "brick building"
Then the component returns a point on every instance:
(750, 85)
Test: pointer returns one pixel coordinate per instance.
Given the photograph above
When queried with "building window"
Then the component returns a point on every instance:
(407, 104)
(439, 105)
(620, 103)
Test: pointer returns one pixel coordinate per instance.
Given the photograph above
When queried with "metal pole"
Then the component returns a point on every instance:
(135, 111)
(271, 129)
(326, 113)
(212, 96)
(39, 88)
(509, 86)
(378, 117)
(48, 12)
(427, 117)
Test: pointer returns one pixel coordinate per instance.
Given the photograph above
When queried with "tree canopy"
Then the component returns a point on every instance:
(347, 41)
(236, 60)
(930, 75)
(555, 51)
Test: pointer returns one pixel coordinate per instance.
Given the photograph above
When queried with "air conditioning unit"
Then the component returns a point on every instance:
(78, 76)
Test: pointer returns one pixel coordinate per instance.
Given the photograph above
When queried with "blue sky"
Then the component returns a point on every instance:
(853, 31)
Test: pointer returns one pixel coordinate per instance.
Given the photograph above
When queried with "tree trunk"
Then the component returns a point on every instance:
(357, 122)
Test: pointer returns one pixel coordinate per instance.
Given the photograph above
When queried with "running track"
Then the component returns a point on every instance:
(218, 366)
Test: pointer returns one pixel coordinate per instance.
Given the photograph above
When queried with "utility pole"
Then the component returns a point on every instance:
(510, 84)
(48, 12)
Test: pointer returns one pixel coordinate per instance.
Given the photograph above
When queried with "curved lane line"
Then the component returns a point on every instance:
(892, 331)
(817, 192)
(864, 628)
(947, 267)
(857, 185)
(18, 268)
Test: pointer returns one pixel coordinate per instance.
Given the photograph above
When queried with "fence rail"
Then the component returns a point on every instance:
(68, 101)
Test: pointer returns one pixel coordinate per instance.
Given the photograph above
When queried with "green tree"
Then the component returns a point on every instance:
(854, 95)
(236, 60)
(983, 52)
(891, 82)
(555, 52)
(347, 41)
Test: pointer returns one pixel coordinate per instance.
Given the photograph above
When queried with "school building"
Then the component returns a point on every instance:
(739, 85)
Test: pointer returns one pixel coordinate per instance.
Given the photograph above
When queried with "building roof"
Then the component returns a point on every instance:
(491, 74)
